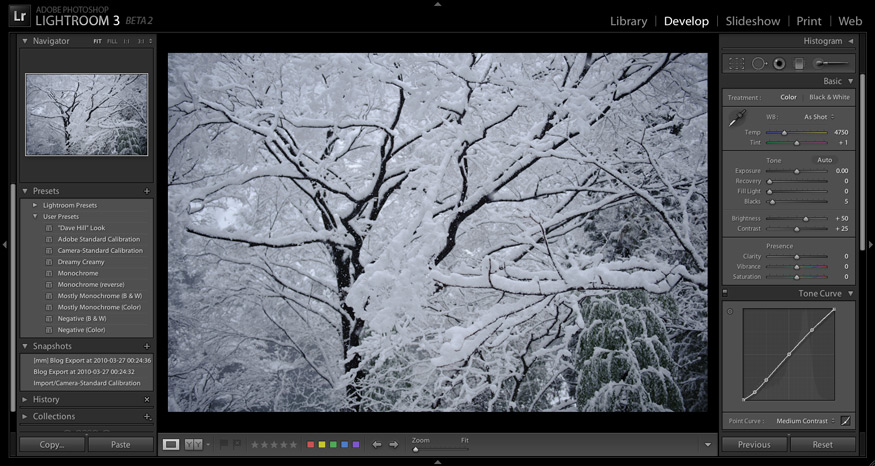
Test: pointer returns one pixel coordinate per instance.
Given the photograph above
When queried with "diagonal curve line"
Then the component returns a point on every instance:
(789, 354)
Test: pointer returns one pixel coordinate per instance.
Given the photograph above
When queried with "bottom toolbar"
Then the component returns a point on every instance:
(439, 445)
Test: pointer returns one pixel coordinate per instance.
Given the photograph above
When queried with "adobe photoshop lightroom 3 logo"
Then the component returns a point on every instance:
(19, 16)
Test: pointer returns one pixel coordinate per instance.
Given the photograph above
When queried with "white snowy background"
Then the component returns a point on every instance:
(86, 114)
(437, 232)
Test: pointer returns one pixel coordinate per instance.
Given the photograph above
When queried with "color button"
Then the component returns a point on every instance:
(311, 444)
(321, 444)
(355, 444)
(344, 444)
(333, 444)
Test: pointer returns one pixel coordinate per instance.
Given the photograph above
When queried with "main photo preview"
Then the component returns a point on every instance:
(442, 232)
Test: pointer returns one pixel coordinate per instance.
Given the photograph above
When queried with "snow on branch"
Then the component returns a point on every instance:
(295, 239)
(630, 274)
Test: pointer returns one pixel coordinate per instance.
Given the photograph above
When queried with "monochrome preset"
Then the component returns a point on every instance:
(432, 232)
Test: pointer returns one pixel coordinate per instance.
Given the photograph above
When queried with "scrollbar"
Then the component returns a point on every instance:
(863, 239)
(13, 225)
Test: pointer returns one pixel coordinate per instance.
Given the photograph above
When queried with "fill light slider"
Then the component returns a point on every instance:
(784, 191)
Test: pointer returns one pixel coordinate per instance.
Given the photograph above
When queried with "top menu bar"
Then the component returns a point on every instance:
(409, 16)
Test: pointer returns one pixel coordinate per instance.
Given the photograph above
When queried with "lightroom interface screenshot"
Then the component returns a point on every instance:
(436, 233)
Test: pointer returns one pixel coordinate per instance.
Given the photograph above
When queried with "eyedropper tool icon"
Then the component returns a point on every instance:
(738, 116)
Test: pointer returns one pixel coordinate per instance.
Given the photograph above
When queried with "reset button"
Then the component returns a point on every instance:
(823, 444)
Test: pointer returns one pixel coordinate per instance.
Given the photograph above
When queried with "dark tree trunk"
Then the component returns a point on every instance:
(67, 136)
(351, 327)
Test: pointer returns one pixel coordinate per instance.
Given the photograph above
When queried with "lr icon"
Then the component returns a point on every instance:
(19, 16)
